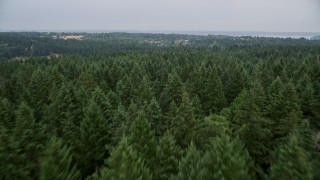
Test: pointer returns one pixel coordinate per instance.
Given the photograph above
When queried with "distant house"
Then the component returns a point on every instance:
(78, 37)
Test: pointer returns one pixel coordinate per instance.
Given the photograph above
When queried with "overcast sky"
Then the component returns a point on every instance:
(161, 15)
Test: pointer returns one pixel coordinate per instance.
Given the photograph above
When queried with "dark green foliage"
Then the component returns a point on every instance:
(306, 137)
(253, 129)
(307, 99)
(94, 140)
(208, 87)
(6, 114)
(228, 159)
(290, 161)
(28, 136)
(167, 157)
(64, 114)
(38, 92)
(141, 137)
(172, 92)
(57, 162)
(208, 129)
(125, 163)
(191, 166)
(235, 81)
(144, 92)
(183, 121)
(154, 115)
(87, 81)
(14, 164)
(124, 90)
(283, 108)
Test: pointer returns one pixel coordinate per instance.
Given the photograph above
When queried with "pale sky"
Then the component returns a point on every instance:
(161, 15)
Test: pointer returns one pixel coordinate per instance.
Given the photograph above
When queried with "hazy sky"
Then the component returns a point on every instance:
(161, 15)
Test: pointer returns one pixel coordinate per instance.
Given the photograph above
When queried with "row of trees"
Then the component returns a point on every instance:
(35, 44)
(241, 113)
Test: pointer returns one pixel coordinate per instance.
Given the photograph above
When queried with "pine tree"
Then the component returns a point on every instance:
(113, 99)
(172, 92)
(183, 121)
(191, 166)
(103, 103)
(55, 83)
(6, 114)
(29, 136)
(208, 129)
(144, 92)
(307, 99)
(206, 84)
(125, 163)
(65, 114)
(154, 114)
(38, 92)
(119, 124)
(306, 137)
(57, 162)
(124, 90)
(290, 161)
(167, 157)
(141, 137)
(228, 159)
(283, 108)
(87, 81)
(94, 138)
(249, 124)
(235, 81)
(14, 164)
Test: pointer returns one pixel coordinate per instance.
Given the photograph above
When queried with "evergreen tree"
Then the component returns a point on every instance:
(29, 136)
(125, 163)
(6, 114)
(14, 164)
(38, 92)
(141, 137)
(154, 114)
(207, 85)
(291, 162)
(235, 81)
(172, 92)
(307, 99)
(208, 129)
(282, 109)
(250, 125)
(144, 92)
(124, 90)
(167, 157)
(119, 124)
(191, 166)
(94, 132)
(57, 162)
(87, 81)
(306, 137)
(228, 159)
(64, 115)
(113, 99)
(183, 122)
(103, 102)
(55, 83)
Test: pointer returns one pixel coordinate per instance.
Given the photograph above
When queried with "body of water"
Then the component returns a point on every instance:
(295, 35)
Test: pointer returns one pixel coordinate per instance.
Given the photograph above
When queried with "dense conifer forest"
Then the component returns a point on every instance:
(143, 106)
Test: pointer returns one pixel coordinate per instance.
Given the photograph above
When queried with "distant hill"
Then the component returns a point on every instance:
(316, 37)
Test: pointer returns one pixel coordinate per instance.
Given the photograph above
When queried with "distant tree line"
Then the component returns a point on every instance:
(34, 44)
